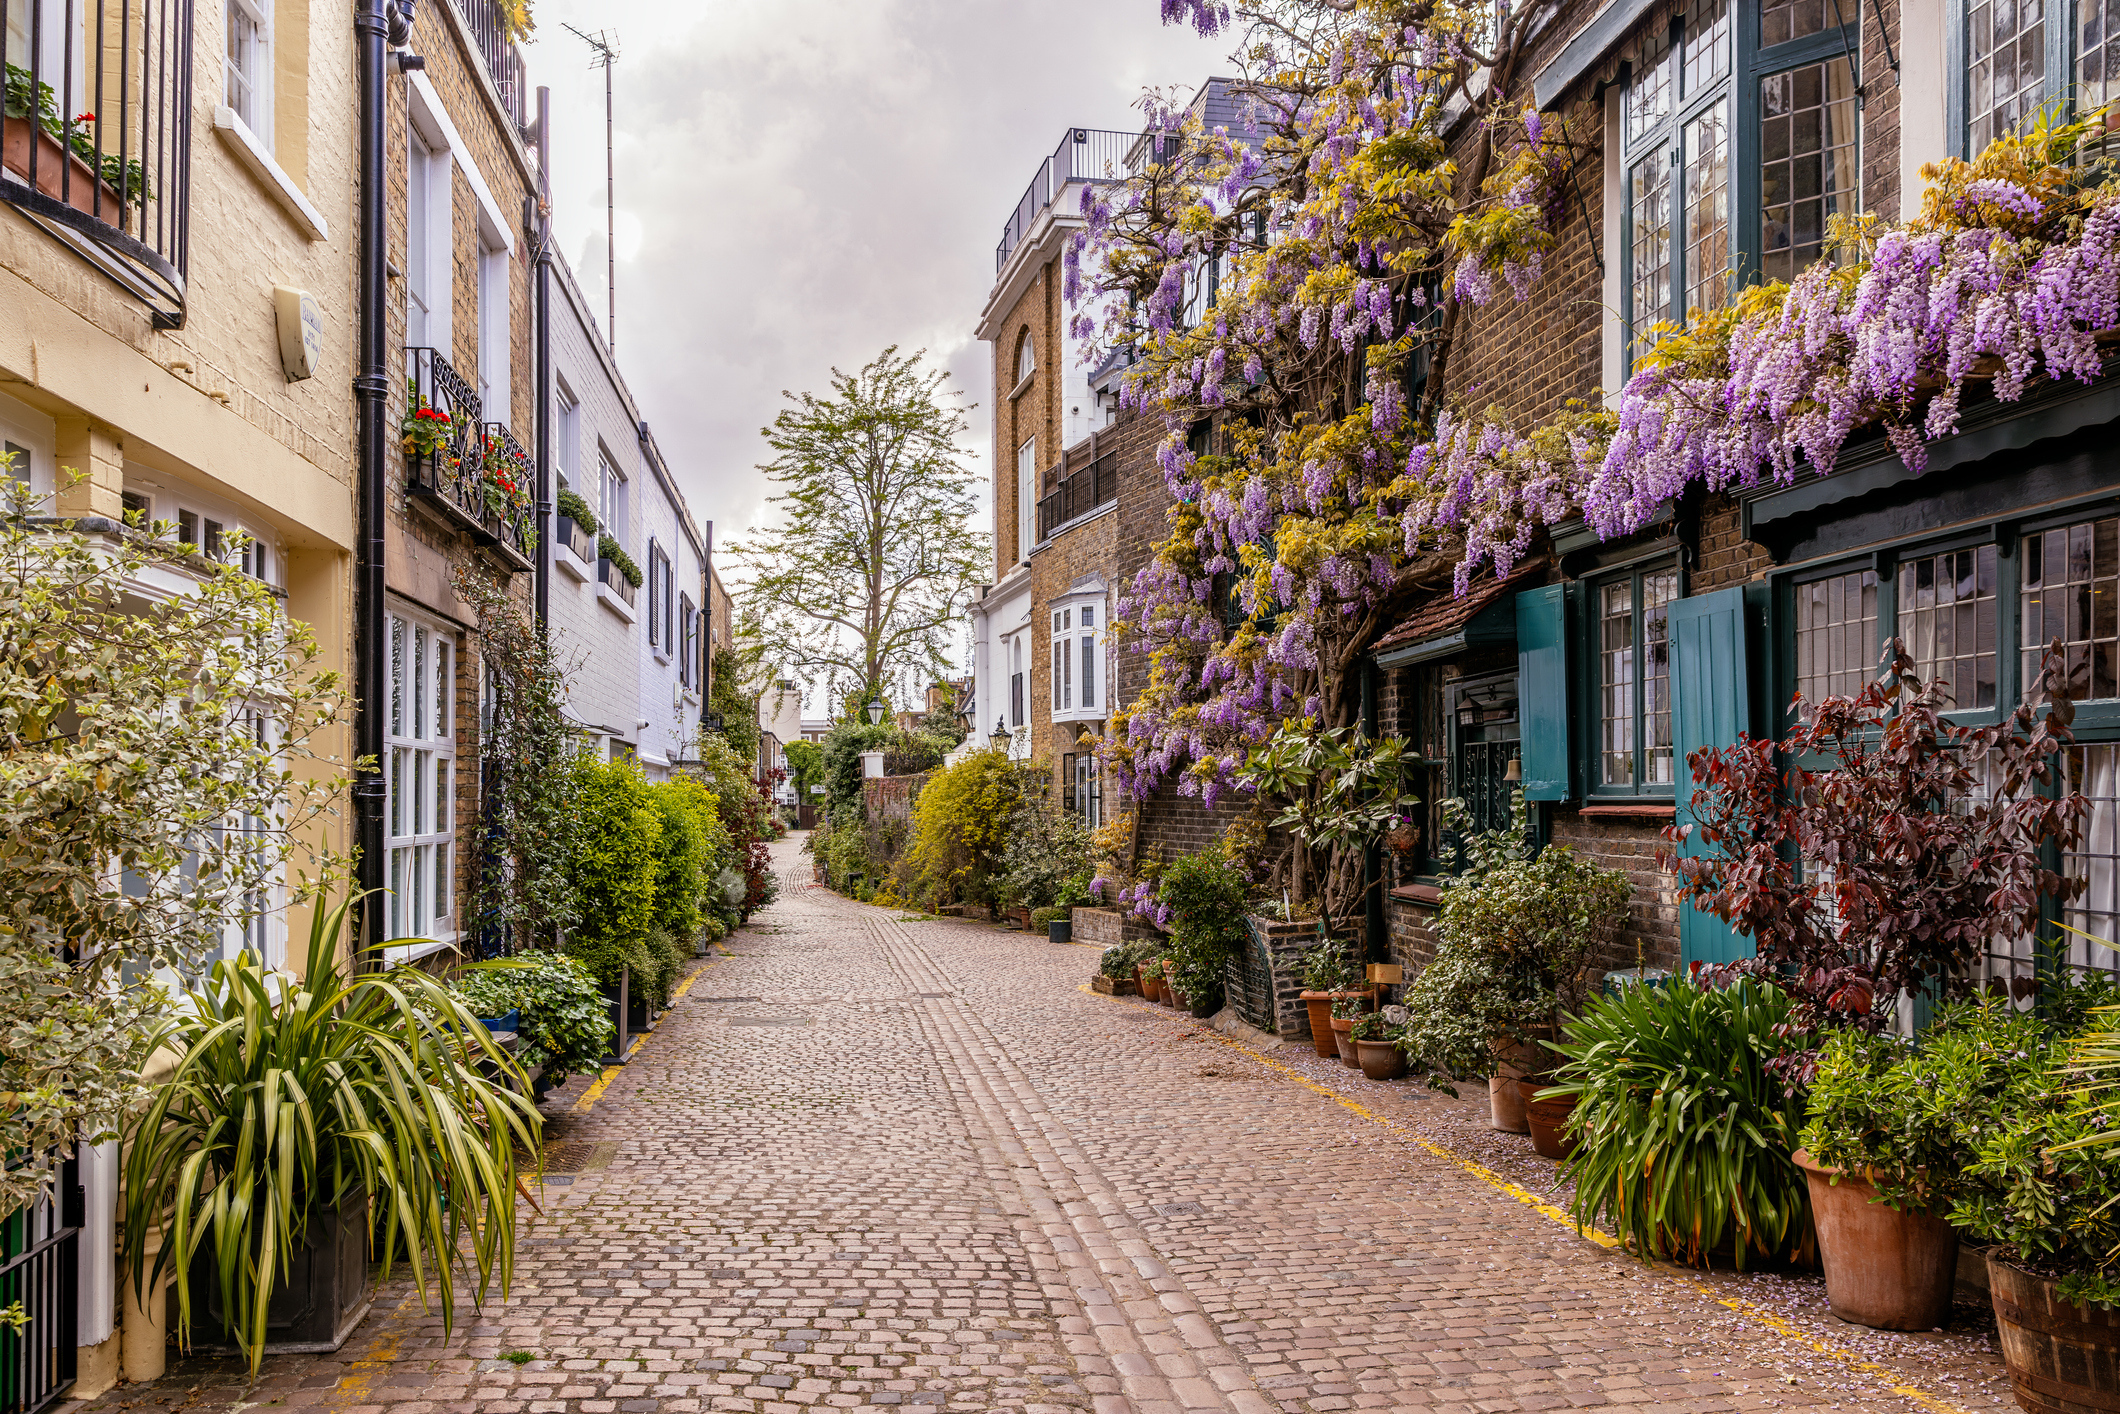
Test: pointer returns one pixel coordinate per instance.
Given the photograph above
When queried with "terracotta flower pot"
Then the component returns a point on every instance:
(1343, 1041)
(1380, 1060)
(1885, 1269)
(2061, 1358)
(1319, 1005)
(1505, 1106)
(1547, 1119)
(1151, 984)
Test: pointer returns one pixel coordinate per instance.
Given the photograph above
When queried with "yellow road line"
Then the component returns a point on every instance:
(1782, 1327)
(602, 1082)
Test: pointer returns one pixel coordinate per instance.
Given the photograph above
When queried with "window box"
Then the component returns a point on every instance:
(614, 593)
(574, 549)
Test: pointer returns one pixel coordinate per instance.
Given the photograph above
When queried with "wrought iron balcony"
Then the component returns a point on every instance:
(504, 62)
(473, 473)
(1084, 155)
(98, 135)
(1094, 486)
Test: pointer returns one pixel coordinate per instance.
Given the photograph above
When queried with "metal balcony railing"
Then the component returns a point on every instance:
(475, 472)
(98, 135)
(1084, 155)
(1076, 496)
(509, 485)
(504, 62)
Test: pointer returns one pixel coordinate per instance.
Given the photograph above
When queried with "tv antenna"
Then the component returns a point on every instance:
(605, 43)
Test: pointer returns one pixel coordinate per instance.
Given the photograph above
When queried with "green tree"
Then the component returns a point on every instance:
(682, 855)
(863, 578)
(737, 705)
(806, 768)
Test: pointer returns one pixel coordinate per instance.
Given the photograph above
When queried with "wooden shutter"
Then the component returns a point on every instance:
(1542, 691)
(1711, 702)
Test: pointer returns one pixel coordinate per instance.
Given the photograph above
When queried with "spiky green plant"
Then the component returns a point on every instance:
(287, 1095)
(1683, 1139)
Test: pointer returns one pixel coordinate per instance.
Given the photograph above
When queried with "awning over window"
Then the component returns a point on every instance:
(1584, 52)
(1450, 625)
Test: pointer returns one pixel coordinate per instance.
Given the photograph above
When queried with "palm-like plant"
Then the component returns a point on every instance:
(289, 1095)
(1683, 1134)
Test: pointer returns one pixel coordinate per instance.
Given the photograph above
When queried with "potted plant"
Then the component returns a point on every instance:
(1330, 974)
(1376, 1043)
(564, 1024)
(1117, 971)
(426, 430)
(293, 1104)
(1345, 1012)
(1203, 897)
(1683, 1132)
(1515, 936)
(1149, 973)
(1883, 1149)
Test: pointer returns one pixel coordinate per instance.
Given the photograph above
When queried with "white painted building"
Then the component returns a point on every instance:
(637, 654)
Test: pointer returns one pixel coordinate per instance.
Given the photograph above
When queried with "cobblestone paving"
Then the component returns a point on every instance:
(873, 1162)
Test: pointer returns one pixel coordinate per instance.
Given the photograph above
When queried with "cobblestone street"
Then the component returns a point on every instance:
(871, 1162)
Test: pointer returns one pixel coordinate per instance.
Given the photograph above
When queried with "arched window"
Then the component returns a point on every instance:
(1026, 358)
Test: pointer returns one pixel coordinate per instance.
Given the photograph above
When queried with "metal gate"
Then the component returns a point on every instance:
(40, 1268)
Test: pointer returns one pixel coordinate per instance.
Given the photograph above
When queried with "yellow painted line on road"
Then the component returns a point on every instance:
(602, 1082)
(1782, 1327)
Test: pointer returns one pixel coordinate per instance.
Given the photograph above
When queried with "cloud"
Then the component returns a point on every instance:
(802, 182)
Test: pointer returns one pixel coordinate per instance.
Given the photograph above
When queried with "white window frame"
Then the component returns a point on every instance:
(419, 761)
(611, 497)
(1078, 657)
(428, 267)
(1026, 498)
(246, 77)
(494, 320)
(567, 423)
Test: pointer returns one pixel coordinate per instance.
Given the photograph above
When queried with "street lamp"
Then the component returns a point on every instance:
(1000, 737)
(876, 710)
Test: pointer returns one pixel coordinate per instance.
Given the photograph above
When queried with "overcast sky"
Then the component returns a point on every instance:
(802, 182)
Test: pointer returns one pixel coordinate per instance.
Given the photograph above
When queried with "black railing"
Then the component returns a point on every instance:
(476, 472)
(486, 19)
(611, 575)
(98, 135)
(509, 486)
(40, 1267)
(1095, 485)
(1084, 155)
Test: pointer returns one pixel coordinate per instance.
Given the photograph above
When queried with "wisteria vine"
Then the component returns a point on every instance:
(1348, 243)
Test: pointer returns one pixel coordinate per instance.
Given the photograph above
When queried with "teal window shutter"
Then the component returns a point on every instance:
(1542, 691)
(1711, 702)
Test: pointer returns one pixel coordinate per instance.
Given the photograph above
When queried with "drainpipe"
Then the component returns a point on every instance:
(1378, 941)
(377, 24)
(543, 297)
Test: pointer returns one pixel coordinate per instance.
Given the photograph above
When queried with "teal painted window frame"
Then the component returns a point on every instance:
(1590, 689)
(1750, 63)
(2060, 70)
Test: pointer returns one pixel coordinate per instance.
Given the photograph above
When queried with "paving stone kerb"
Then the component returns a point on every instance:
(873, 1162)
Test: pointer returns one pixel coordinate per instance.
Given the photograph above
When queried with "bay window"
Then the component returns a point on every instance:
(1078, 660)
(1738, 143)
(419, 768)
